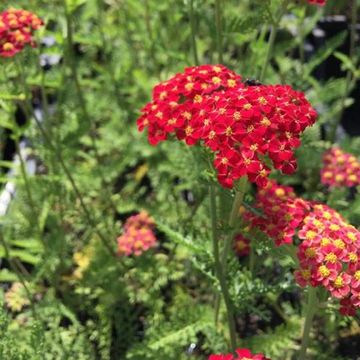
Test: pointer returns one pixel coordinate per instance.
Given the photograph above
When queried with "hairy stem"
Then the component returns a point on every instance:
(301, 27)
(221, 264)
(48, 140)
(28, 189)
(310, 312)
(149, 30)
(234, 218)
(109, 63)
(219, 270)
(350, 78)
(193, 33)
(218, 22)
(75, 188)
(272, 38)
(81, 99)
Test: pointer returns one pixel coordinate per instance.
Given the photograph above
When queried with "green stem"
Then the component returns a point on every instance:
(310, 312)
(193, 33)
(350, 77)
(234, 218)
(44, 100)
(109, 64)
(216, 252)
(302, 35)
(78, 194)
(219, 270)
(218, 22)
(75, 76)
(149, 30)
(82, 101)
(273, 33)
(271, 43)
(28, 191)
(28, 188)
(58, 155)
(221, 265)
(213, 210)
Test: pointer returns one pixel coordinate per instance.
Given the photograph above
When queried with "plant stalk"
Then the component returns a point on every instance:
(81, 99)
(350, 77)
(193, 33)
(28, 189)
(219, 271)
(234, 218)
(272, 38)
(57, 152)
(219, 37)
(310, 312)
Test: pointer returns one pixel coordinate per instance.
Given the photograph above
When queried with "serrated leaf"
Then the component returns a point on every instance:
(7, 276)
(72, 5)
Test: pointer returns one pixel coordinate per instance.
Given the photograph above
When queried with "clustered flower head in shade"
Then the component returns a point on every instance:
(317, 2)
(241, 245)
(329, 250)
(282, 212)
(16, 298)
(138, 235)
(340, 169)
(16, 30)
(241, 124)
(241, 354)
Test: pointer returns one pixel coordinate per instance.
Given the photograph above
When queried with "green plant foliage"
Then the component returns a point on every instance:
(65, 292)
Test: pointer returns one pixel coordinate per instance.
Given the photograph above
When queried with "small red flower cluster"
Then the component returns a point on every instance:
(16, 30)
(340, 169)
(241, 124)
(329, 256)
(174, 100)
(317, 2)
(241, 245)
(282, 211)
(138, 235)
(241, 354)
(329, 253)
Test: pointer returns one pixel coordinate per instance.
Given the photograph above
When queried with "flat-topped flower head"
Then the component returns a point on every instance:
(282, 212)
(329, 251)
(16, 30)
(240, 124)
(16, 298)
(241, 354)
(177, 101)
(317, 2)
(241, 245)
(329, 256)
(139, 221)
(340, 169)
(138, 235)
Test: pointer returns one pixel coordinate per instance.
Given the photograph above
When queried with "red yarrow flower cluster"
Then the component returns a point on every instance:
(329, 256)
(282, 212)
(340, 169)
(329, 252)
(240, 124)
(317, 2)
(173, 102)
(241, 354)
(138, 235)
(16, 30)
(241, 245)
